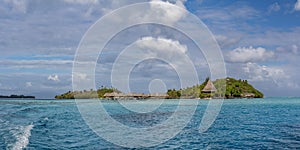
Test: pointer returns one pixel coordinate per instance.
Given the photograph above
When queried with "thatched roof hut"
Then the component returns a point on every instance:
(209, 87)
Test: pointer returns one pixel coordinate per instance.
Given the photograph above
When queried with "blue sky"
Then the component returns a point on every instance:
(260, 41)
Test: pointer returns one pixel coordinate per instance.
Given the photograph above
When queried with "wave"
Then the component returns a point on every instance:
(22, 137)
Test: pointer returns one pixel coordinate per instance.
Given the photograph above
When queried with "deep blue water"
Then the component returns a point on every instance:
(271, 123)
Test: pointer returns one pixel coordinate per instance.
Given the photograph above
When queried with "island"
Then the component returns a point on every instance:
(109, 93)
(18, 96)
(87, 94)
(228, 88)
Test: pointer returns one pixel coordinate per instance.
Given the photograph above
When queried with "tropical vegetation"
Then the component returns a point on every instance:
(86, 94)
(225, 88)
(228, 88)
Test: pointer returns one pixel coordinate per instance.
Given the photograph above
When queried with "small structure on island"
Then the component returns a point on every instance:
(209, 87)
(116, 95)
(209, 90)
(248, 95)
(113, 95)
(158, 95)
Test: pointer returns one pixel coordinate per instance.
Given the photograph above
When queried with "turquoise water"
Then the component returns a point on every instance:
(271, 123)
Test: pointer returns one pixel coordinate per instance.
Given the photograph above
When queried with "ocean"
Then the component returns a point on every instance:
(270, 123)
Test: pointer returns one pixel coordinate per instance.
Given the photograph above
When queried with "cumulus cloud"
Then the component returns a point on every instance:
(53, 77)
(161, 10)
(169, 54)
(168, 50)
(250, 54)
(260, 73)
(297, 5)
(165, 12)
(263, 73)
(161, 44)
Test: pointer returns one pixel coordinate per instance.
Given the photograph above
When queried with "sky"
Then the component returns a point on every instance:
(259, 40)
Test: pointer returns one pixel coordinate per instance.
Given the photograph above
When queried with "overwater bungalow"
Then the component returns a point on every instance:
(115, 95)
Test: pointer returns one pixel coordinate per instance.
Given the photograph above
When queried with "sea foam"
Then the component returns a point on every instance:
(22, 137)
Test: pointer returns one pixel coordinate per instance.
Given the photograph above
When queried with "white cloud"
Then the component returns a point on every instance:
(274, 7)
(159, 11)
(28, 84)
(297, 5)
(244, 54)
(164, 12)
(255, 72)
(180, 3)
(258, 73)
(163, 55)
(162, 45)
(53, 77)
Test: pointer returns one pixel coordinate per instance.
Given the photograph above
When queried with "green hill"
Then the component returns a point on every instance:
(239, 88)
(86, 94)
(234, 89)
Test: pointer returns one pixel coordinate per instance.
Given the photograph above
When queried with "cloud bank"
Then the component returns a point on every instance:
(249, 54)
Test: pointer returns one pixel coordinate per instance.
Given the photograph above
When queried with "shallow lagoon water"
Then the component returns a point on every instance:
(270, 123)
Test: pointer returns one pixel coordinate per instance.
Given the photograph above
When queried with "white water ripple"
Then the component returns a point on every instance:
(22, 137)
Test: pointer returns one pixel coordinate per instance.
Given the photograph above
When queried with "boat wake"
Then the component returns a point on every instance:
(17, 137)
(22, 137)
